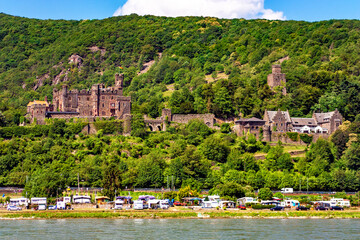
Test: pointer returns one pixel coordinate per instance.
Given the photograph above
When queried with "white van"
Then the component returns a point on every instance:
(119, 204)
(19, 201)
(164, 204)
(138, 205)
(287, 190)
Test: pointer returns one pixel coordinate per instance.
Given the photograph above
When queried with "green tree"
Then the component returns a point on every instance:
(265, 194)
(214, 149)
(138, 126)
(112, 180)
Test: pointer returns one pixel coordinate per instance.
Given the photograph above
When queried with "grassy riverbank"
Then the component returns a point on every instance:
(109, 214)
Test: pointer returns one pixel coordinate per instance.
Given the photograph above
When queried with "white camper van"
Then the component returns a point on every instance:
(138, 205)
(287, 190)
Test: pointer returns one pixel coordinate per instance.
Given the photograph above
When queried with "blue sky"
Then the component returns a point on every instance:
(308, 10)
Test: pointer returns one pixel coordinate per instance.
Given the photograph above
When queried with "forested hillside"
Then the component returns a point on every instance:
(212, 65)
(198, 65)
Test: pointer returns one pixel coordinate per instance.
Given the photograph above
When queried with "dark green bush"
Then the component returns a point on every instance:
(306, 138)
(109, 126)
(294, 136)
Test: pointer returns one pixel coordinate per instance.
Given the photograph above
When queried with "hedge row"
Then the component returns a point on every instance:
(109, 126)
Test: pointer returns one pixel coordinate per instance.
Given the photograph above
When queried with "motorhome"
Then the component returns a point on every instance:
(340, 202)
(213, 202)
(153, 204)
(245, 200)
(37, 201)
(290, 203)
(138, 205)
(81, 199)
(40, 202)
(19, 201)
(119, 203)
(164, 204)
(227, 204)
(287, 190)
(63, 203)
(270, 202)
(145, 199)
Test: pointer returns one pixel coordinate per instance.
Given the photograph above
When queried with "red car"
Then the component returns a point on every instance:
(177, 203)
(242, 207)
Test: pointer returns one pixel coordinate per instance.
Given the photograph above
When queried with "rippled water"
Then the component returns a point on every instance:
(181, 229)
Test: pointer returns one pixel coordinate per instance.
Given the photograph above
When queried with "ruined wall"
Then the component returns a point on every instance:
(185, 118)
(62, 115)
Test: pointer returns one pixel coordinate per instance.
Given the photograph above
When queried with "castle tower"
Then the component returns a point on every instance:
(119, 81)
(166, 114)
(95, 94)
(276, 78)
(267, 133)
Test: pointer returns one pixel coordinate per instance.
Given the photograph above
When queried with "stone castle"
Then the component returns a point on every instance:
(98, 102)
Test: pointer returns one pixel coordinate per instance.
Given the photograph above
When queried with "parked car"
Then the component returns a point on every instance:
(321, 208)
(13, 208)
(242, 207)
(52, 207)
(302, 208)
(277, 208)
(337, 208)
(177, 203)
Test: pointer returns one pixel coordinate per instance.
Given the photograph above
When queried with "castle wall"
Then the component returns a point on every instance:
(185, 118)
(284, 138)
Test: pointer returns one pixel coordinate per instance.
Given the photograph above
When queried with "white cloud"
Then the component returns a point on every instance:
(248, 9)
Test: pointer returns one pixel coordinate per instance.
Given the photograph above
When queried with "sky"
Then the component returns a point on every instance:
(307, 10)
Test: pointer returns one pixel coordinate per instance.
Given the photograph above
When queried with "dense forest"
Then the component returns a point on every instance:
(201, 64)
(198, 65)
(48, 157)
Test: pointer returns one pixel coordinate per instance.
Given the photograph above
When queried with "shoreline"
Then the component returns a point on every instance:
(165, 214)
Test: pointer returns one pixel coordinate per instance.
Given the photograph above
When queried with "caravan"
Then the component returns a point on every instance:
(164, 204)
(19, 201)
(290, 203)
(212, 203)
(81, 199)
(40, 202)
(138, 205)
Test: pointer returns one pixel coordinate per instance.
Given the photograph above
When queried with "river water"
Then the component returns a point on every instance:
(181, 229)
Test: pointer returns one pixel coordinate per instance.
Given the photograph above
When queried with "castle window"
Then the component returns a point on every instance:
(90, 112)
(103, 97)
(103, 113)
(103, 105)
(88, 98)
(69, 98)
(79, 98)
(112, 97)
